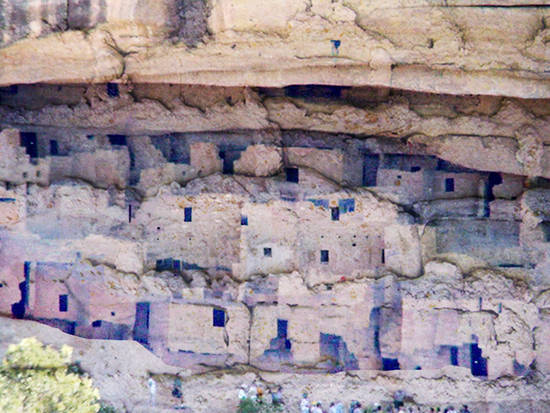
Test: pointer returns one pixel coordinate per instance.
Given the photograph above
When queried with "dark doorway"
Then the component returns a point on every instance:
(292, 175)
(449, 185)
(370, 169)
(282, 328)
(335, 213)
(141, 326)
(335, 350)
(188, 214)
(390, 364)
(54, 148)
(63, 303)
(229, 157)
(494, 179)
(29, 141)
(478, 363)
(324, 256)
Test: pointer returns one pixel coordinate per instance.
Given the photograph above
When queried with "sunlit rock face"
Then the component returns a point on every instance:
(346, 198)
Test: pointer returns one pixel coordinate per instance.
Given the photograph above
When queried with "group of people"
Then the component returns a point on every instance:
(258, 394)
(357, 407)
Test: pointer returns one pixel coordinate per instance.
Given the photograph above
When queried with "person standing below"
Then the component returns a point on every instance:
(242, 392)
(277, 397)
(152, 391)
(318, 408)
(358, 408)
(304, 404)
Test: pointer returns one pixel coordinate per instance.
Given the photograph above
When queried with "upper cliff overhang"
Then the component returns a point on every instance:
(484, 47)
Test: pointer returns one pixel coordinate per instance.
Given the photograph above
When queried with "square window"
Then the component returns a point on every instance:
(188, 212)
(218, 317)
(112, 89)
(335, 213)
(63, 303)
(449, 185)
(292, 175)
(267, 252)
(244, 220)
(324, 256)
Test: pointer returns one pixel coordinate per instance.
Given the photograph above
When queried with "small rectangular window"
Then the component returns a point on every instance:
(449, 185)
(112, 89)
(415, 168)
(324, 256)
(244, 220)
(454, 355)
(267, 252)
(292, 175)
(335, 213)
(63, 303)
(188, 212)
(54, 148)
(118, 140)
(96, 323)
(218, 318)
(282, 328)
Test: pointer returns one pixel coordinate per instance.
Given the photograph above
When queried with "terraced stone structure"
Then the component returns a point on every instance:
(343, 197)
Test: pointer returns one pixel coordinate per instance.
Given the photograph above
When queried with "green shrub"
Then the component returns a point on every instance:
(39, 379)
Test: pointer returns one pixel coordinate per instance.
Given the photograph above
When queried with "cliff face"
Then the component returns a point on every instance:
(342, 197)
(459, 47)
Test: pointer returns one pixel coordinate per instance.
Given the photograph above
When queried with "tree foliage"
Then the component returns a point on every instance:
(39, 379)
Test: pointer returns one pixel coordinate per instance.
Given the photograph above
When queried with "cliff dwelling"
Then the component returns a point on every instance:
(326, 196)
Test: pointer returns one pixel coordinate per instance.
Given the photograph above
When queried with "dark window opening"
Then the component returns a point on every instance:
(383, 256)
(188, 214)
(141, 325)
(112, 89)
(370, 170)
(478, 363)
(129, 213)
(119, 140)
(335, 351)
(449, 185)
(415, 168)
(292, 175)
(282, 328)
(324, 256)
(244, 220)
(218, 317)
(10, 90)
(267, 252)
(54, 148)
(335, 213)
(315, 91)
(29, 141)
(113, 313)
(90, 137)
(390, 364)
(454, 355)
(63, 303)
(96, 323)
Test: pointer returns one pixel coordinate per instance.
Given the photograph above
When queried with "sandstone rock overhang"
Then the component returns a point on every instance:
(456, 47)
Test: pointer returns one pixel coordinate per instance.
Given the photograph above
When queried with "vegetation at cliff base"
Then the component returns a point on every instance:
(35, 378)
